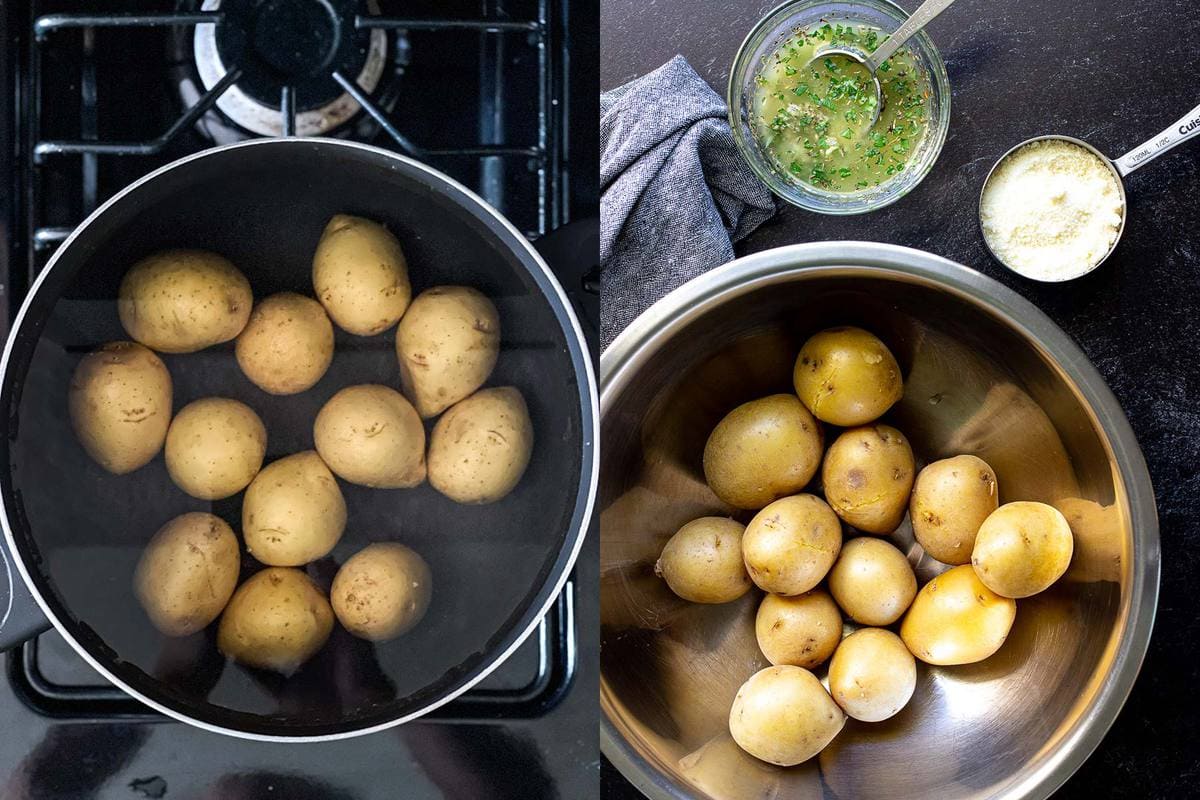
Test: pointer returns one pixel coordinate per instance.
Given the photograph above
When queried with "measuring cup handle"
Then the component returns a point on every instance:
(1177, 132)
(920, 18)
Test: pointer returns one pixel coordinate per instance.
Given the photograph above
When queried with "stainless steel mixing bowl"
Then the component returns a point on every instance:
(986, 373)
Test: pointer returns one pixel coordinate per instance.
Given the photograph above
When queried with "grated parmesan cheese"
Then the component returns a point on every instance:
(1051, 210)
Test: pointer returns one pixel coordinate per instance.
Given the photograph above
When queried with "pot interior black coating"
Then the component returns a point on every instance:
(81, 530)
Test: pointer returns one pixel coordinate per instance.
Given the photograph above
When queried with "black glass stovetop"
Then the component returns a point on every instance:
(96, 94)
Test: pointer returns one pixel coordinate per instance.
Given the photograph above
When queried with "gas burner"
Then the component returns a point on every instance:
(282, 44)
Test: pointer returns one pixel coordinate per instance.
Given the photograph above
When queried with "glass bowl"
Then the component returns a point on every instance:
(766, 37)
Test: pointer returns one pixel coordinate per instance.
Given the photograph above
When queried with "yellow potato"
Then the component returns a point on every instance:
(1022, 548)
(480, 448)
(867, 476)
(702, 562)
(276, 620)
(447, 344)
(847, 377)
(293, 512)
(287, 345)
(784, 716)
(802, 631)
(120, 405)
(371, 435)
(187, 573)
(872, 581)
(215, 447)
(761, 451)
(790, 545)
(950, 500)
(360, 275)
(382, 591)
(872, 675)
(955, 619)
(181, 301)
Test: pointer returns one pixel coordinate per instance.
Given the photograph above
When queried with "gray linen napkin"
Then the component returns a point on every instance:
(675, 194)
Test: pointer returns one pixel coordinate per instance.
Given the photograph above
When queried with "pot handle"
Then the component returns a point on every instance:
(573, 253)
(21, 618)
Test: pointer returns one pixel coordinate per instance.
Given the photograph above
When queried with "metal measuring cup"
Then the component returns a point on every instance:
(1176, 133)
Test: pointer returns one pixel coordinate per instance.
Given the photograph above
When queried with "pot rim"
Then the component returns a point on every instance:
(620, 362)
(580, 354)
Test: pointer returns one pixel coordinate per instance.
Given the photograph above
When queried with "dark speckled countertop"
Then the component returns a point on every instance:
(1112, 72)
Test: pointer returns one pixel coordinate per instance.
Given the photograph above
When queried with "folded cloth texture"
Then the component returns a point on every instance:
(675, 193)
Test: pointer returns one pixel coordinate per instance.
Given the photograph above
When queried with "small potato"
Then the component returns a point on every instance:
(447, 344)
(761, 451)
(277, 620)
(950, 500)
(784, 716)
(360, 275)
(1022, 548)
(955, 619)
(120, 405)
(702, 562)
(371, 435)
(872, 581)
(382, 591)
(480, 448)
(872, 675)
(847, 377)
(287, 345)
(181, 301)
(293, 512)
(790, 545)
(187, 573)
(802, 631)
(215, 447)
(867, 475)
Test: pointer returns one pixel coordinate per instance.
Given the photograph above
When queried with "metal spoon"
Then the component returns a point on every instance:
(919, 19)
(1174, 134)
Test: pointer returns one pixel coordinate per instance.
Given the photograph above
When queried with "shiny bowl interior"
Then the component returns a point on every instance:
(986, 373)
(766, 36)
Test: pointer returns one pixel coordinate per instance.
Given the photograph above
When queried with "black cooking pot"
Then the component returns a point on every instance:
(75, 532)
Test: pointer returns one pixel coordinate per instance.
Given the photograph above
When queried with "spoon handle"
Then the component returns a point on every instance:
(1177, 132)
(919, 19)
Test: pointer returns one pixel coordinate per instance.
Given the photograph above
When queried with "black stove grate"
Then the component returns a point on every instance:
(66, 162)
(521, 54)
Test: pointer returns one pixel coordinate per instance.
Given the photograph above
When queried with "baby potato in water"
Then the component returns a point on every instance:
(847, 377)
(872, 581)
(277, 620)
(382, 591)
(360, 275)
(287, 345)
(447, 344)
(1022, 548)
(950, 500)
(293, 511)
(956, 619)
(181, 301)
(481, 446)
(371, 435)
(187, 573)
(119, 402)
(802, 631)
(790, 545)
(215, 447)
(702, 562)
(761, 451)
(867, 475)
(784, 716)
(872, 675)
